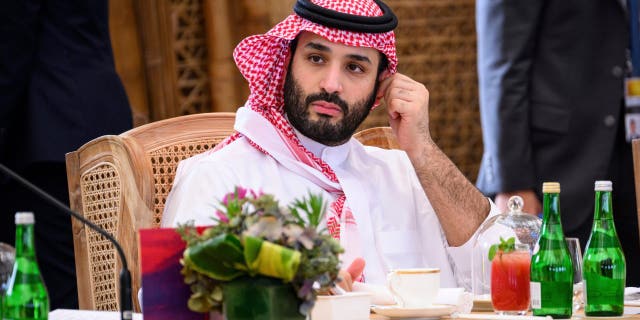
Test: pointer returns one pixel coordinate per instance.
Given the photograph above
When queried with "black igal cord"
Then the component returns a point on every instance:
(126, 305)
(344, 21)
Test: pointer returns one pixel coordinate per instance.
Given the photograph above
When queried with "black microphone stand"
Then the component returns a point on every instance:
(126, 305)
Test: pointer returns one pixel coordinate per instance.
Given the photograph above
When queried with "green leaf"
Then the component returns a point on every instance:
(492, 251)
(220, 258)
(505, 246)
(252, 247)
(271, 259)
(314, 207)
(296, 214)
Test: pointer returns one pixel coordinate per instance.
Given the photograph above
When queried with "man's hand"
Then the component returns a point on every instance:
(353, 272)
(460, 207)
(408, 108)
(532, 204)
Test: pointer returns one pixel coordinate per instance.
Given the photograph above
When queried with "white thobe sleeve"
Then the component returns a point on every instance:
(461, 256)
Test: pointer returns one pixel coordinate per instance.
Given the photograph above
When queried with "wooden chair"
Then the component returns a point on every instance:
(382, 137)
(635, 145)
(121, 184)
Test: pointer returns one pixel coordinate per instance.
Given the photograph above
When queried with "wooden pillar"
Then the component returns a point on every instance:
(223, 75)
(127, 51)
(160, 68)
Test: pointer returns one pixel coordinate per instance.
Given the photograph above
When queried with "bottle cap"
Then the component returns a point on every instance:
(25, 218)
(551, 187)
(603, 185)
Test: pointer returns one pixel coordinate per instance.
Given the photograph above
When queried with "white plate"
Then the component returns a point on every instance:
(434, 311)
(632, 303)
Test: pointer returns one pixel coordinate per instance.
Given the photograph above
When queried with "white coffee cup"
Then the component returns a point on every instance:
(414, 288)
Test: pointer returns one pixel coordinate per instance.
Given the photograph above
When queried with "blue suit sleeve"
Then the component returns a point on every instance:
(506, 32)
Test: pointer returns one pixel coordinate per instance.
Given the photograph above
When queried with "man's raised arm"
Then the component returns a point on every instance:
(460, 207)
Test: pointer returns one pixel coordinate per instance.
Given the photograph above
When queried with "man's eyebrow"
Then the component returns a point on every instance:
(317, 46)
(323, 48)
(360, 58)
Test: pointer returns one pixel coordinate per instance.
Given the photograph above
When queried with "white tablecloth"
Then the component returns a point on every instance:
(66, 314)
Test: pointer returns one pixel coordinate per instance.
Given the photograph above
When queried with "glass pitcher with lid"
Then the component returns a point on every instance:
(523, 227)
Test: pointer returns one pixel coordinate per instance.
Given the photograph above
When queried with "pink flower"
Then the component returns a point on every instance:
(228, 198)
(256, 195)
(222, 216)
(242, 192)
(238, 194)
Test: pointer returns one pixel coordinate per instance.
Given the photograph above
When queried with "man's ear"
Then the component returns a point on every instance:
(379, 95)
(384, 74)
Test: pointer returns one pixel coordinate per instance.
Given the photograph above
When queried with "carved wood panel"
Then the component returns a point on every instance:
(190, 56)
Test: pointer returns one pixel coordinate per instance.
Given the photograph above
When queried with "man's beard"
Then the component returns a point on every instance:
(322, 130)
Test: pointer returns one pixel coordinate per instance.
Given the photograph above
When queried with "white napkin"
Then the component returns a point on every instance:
(632, 296)
(457, 297)
(381, 295)
(452, 296)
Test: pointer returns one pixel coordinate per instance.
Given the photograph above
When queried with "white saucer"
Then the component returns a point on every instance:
(434, 311)
(632, 303)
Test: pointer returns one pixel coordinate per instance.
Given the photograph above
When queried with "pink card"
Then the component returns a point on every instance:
(164, 293)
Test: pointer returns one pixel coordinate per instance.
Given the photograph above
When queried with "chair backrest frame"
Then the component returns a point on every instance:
(120, 183)
(382, 137)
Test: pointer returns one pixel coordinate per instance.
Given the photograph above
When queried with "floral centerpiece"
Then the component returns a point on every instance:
(259, 243)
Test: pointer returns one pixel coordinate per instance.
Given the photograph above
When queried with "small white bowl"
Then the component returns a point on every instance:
(349, 306)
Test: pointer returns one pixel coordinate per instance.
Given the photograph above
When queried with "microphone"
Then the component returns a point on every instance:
(126, 304)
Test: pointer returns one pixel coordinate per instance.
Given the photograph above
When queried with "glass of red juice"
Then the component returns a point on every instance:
(510, 293)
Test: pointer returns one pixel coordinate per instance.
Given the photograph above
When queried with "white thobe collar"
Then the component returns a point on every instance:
(333, 156)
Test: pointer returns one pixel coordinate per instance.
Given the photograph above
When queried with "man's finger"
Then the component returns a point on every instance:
(345, 280)
(356, 268)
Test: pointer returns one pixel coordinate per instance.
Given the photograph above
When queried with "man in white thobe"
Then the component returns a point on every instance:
(314, 78)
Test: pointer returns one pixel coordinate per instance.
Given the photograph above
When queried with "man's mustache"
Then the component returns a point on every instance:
(328, 97)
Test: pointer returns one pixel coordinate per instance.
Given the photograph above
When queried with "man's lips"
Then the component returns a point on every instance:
(323, 107)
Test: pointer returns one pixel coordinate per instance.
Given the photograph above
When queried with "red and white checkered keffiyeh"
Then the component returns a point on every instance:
(262, 61)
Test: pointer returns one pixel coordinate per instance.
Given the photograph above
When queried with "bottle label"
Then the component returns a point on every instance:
(551, 294)
(535, 295)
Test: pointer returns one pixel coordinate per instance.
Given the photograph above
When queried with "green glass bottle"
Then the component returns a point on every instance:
(26, 297)
(604, 267)
(551, 266)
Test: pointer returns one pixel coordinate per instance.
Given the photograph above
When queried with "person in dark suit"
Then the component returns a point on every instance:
(551, 99)
(58, 90)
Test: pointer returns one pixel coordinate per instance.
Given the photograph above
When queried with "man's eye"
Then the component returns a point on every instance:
(355, 68)
(316, 59)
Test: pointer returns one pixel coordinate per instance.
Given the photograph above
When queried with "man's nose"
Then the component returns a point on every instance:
(331, 81)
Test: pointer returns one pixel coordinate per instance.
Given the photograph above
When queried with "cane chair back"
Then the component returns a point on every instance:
(382, 137)
(121, 182)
